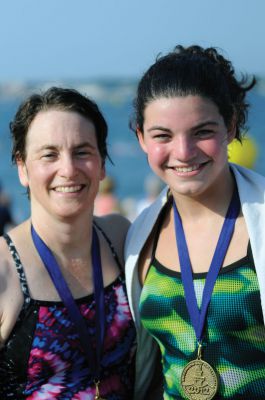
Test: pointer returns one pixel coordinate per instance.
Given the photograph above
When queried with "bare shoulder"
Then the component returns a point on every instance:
(115, 226)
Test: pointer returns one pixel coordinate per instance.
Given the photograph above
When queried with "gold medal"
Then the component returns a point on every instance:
(199, 381)
(97, 395)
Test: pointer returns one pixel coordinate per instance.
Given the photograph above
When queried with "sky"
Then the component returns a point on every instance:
(85, 39)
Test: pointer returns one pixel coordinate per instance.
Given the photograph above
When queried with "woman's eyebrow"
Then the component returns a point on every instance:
(84, 144)
(48, 146)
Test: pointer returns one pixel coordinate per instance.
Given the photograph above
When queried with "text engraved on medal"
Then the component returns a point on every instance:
(199, 381)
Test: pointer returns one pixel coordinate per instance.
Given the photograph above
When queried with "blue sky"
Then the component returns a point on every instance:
(72, 39)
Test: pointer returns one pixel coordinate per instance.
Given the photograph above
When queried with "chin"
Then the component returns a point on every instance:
(70, 214)
(191, 191)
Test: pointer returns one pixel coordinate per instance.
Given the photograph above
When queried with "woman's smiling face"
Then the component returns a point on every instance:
(63, 166)
(185, 139)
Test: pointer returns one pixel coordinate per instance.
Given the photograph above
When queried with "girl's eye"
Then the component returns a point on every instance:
(161, 137)
(204, 133)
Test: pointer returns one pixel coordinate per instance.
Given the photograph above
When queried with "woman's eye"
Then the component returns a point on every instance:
(49, 156)
(82, 153)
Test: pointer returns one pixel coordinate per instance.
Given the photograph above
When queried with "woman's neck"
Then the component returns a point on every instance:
(66, 238)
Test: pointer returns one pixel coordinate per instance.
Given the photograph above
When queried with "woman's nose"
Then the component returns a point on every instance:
(68, 167)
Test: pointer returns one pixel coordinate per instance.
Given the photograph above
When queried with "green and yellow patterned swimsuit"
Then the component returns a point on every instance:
(234, 341)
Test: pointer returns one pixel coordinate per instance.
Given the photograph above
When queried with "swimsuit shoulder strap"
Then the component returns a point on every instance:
(19, 267)
(112, 248)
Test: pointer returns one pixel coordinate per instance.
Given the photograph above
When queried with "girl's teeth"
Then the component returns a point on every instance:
(186, 169)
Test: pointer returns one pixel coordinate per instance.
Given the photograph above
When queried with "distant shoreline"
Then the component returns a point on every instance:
(107, 90)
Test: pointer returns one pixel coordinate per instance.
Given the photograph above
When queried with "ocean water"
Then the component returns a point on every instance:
(130, 166)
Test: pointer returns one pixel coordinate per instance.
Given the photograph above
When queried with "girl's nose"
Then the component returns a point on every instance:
(184, 149)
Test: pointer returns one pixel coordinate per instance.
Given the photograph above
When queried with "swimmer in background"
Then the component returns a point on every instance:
(106, 201)
(6, 218)
(152, 187)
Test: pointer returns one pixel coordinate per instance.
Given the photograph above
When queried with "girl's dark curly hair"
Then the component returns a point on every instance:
(194, 70)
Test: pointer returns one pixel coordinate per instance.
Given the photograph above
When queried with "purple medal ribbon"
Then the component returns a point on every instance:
(65, 294)
(198, 316)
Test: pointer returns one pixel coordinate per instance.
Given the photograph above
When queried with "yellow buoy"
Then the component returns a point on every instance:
(244, 153)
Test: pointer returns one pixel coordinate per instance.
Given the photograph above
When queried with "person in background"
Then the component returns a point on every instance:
(130, 207)
(152, 186)
(6, 219)
(195, 258)
(106, 202)
(66, 331)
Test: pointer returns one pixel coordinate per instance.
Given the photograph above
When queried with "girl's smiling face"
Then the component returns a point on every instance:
(185, 139)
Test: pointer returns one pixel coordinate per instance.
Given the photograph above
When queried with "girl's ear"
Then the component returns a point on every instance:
(140, 137)
(22, 172)
(231, 133)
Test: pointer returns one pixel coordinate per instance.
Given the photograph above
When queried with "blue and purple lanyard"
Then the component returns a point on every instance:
(198, 316)
(48, 259)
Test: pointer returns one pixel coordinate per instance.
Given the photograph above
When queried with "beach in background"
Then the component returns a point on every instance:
(115, 98)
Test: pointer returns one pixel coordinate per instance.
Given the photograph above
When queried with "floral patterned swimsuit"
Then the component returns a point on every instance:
(43, 358)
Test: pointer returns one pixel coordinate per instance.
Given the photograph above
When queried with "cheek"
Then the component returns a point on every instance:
(92, 167)
(214, 148)
(156, 154)
(39, 175)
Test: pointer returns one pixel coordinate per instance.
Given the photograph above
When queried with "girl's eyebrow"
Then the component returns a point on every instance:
(158, 128)
(199, 126)
(206, 123)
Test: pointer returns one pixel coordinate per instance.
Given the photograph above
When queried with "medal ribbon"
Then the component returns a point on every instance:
(197, 316)
(65, 294)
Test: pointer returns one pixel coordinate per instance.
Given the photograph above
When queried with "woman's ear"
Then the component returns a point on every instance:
(140, 137)
(22, 172)
(103, 172)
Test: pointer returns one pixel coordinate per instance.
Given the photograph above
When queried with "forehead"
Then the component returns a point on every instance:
(60, 126)
(182, 108)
